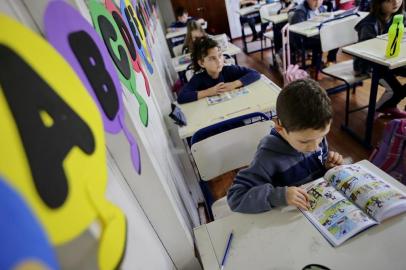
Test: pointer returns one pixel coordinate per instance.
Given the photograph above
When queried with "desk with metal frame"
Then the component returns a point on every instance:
(179, 32)
(199, 114)
(283, 239)
(373, 50)
(246, 11)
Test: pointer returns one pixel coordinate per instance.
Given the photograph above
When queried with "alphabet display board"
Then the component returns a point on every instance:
(137, 30)
(129, 41)
(52, 144)
(106, 26)
(81, 46)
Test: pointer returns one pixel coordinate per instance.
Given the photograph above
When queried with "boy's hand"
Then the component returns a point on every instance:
(333, 159)
(298, 197)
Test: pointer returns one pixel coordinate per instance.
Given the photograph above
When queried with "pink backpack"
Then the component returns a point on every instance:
(390, 154)
(290, 72)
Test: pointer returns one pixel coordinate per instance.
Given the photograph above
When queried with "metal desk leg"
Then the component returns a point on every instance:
(369, 125)
(244, 42)
(371, 107)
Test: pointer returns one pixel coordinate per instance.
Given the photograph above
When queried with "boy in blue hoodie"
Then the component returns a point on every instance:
(296, 152)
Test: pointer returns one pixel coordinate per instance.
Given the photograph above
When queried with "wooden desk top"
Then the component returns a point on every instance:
(282, 239)
(261, 98)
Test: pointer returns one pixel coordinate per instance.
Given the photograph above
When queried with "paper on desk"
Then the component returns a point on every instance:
(227, 96)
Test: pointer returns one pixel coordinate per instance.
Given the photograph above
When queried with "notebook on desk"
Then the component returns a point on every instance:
(227, 96)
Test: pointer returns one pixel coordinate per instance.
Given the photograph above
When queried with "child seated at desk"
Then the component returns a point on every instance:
(194, 31)
(377, 22)
(182, 18)
(296, 152)
(252, 19)
(214, 77)
(306, 11)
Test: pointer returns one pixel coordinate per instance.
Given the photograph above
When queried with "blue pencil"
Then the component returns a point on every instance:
(230, 237)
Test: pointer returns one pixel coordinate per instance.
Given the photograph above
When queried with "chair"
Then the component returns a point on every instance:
(177, 50)
(264, 11)
(189, 72)
(335, 34)
(226, 146)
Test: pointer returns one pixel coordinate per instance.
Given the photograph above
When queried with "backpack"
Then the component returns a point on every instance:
(290, 72)
(389, 155)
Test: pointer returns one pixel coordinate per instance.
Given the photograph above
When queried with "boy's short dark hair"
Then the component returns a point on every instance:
(201, 46)
(180, 11)
(303, 104)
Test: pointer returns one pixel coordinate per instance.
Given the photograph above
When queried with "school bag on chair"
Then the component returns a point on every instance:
(290, 72)
(389, 155)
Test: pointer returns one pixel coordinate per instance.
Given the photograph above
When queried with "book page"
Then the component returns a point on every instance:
(372, 194)
(334, 216)
(227, 95)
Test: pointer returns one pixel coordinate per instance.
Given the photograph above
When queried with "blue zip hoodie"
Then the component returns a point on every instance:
(276, 165)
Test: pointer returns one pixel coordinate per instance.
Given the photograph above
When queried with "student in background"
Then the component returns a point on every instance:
(377, 22)
(307, 10)
(215, 78)
(252, 19)
(194, 31)
(182, 18)
(286, 6)
(363, 5)
(295, 153)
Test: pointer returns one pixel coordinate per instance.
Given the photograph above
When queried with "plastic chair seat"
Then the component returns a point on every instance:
(345, 72)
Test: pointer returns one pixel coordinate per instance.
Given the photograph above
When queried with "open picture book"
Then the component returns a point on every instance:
(350, 199)
(227, 96)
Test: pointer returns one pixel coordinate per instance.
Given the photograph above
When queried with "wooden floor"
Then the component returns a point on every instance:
(338, 140)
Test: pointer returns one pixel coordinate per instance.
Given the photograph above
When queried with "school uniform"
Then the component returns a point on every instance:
(203, 81)
(276, 165)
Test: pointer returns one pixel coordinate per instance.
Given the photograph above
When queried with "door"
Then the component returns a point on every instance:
(213, 11)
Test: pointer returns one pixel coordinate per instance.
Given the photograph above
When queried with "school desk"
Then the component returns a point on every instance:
(276, 18)
(231, 50)
(199, 114)
(283, 239)
(373, 50)
(310, 28)
(245, 12)
(180, 31)
(178, 36)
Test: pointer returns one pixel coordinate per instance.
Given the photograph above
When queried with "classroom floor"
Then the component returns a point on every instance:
(338, 140)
